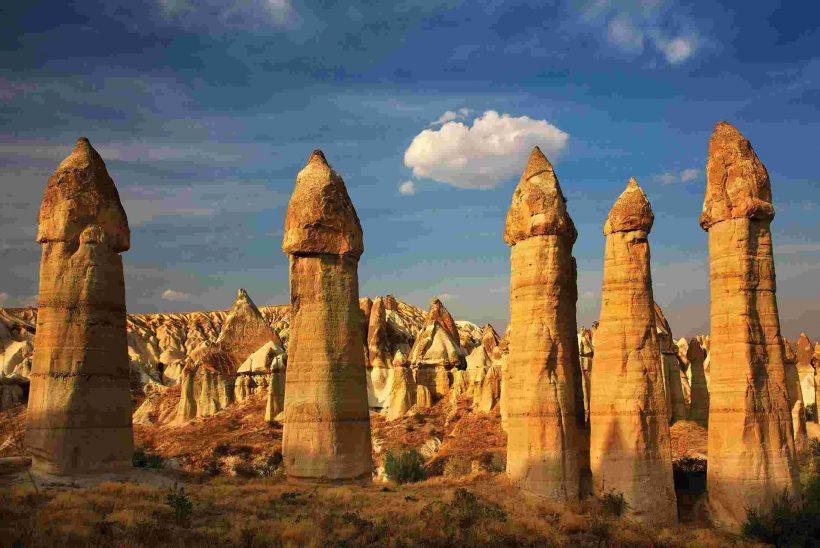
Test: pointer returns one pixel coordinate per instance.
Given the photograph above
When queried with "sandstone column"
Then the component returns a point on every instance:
(79, 410)
(629, 418)
(543, 392)
(699, 410)
(751, 453)
(805, 371)
(326, 432)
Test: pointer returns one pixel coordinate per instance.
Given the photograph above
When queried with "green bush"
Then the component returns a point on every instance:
(614, 503)
(180, 504)
(814, 445)
(787, 521)
(404, 466)
(141, 459)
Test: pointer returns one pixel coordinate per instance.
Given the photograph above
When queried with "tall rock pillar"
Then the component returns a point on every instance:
(544, 402)
(751, 452)
(79, 409)
(629, 418)
(326, 432)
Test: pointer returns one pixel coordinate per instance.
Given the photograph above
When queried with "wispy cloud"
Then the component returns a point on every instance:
(3, 297)
(630, 26)
(451, 115)
(484, 154)
(176, 296)
(216, 15)
(407, 188)
(683, 176)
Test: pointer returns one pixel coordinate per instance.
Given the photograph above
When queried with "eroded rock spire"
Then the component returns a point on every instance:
(326, 420)
(79, 410)
(629, 418)
(543, 404)
(751, 449)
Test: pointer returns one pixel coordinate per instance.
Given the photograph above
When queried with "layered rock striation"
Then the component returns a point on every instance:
(629, 417)
(79, 410)
(326, 434)
(543, 411)
(751, 452)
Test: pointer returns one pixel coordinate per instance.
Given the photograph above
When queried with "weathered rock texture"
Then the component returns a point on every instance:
(699, 408)
(629, 418)
(675, 382)
(751, 452)
(804, 351)
(586, 353)
(79, 412)
(326, 432)
(209, 379)
(378, 354)
(798, 408)
(437, 345)
(543, 392)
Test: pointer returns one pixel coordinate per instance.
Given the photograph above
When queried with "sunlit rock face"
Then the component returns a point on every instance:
(804, 352)
(211, 378)
(751, 449)
(326, 432)
(436, 347)
(79, 411)
(543, 406)
(629, 417)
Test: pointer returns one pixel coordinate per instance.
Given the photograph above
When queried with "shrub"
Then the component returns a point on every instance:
(787, 521)
(141, 459)
(614, 504)
(456, 466)
(404, 466)
(811, 412)
(180, 504)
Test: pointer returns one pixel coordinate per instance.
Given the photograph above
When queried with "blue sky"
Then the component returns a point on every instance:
(205, 111)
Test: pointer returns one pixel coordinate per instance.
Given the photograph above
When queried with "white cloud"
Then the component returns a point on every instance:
(173, 295)
(684, 176)
(492, 149)
(407, 188)
(677, 50)
(3, 297)
(450, 115)
(625, 35)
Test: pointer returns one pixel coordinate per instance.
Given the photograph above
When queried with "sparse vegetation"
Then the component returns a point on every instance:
(181, 505)
(142, 459)
(788, 521)
(404, 466)
(811, 412)
(614, 504)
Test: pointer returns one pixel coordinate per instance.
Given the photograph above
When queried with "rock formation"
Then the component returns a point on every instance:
(490, 390)
(379, 358)
(326, 432)
(629, 418)
(798, 408)
(209, 378)
(751, 452)
(437, 345)
(699, 408)
(804, 352)
(675, 382)
(543, 388)
(402, 395)
(586, 353)
(79, 411)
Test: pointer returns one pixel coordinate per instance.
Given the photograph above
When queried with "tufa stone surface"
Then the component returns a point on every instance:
(629, 419)
(326, 434)
(751, 449)
(79, 410)
(543, 402)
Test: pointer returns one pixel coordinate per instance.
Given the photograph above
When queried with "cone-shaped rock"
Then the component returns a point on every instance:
(379, 358)
(326, 432)
(751, 452)
(805, 351)
(796, 403)
(542, 388)
(489, 338)
(629, 418)
(436, 345)
(79, 410)
(675, 383)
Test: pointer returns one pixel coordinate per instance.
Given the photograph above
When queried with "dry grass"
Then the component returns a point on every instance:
(483, 510)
